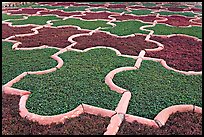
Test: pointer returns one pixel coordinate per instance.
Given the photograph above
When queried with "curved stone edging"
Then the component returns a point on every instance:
(163, 116)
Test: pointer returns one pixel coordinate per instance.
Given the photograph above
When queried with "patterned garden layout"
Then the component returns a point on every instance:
(101, 67)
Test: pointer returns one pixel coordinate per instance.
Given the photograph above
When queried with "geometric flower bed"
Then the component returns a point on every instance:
(16, 62)
(102, 68)
(180, 52)
(154, 88)
(57, 37)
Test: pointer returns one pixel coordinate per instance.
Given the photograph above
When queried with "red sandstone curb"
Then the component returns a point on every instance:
(163, 116)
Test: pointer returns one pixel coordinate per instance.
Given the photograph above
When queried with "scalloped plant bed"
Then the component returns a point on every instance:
(96, 15)
(163, 29)
(178, 20)
(125, 28)
(59, 13)
(188, 14)
(48, 7)
(109, 9)
(126, 45)
(148, 18)
(8, 31)
(25, 11)
(179, 123)
(154, 88)
(54, 37)
(6, 17)
(139, 12)
(15, 62)
(87, 124)
(36, 20)
(83, 24)
(79, 80)
(180, 52)
(14, 124)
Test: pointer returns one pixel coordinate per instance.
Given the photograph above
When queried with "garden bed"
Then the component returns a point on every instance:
(126, 45)
(8, 31)
(179, 123)
(177, 20)
(180, 52)
(54, 37)
(148, 18)
(14, 124)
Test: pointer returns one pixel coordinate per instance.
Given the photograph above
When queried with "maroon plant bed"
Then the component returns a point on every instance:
(123, 6)
(54, 37)
(8, 31)
(177, 20)
(193, 9)
(60, 13)
(26, 11)
(128, 45)
(146, 8)
(137, 7)
(90, 5)
(44, 3)
(175, 9)
(179, 123)
(7, 9)
(148, 18)
(180, 52)
(14, 124)
(96, 15)
(62, 3)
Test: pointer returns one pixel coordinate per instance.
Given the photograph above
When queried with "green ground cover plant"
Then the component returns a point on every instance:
(6, 17)
(167, 5)
(84, 24)
(15, 62)
(109, 9)
(48, 7)
(198, 6)
(149, 4)
(140, 12)
(116, 2)
(37, 20)
(26, 5)
(182, 6)
(75, 8)
(97, 2)
(125, 28)
(162, 29)
(154, 88)
(188, 14)
(81, 79)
